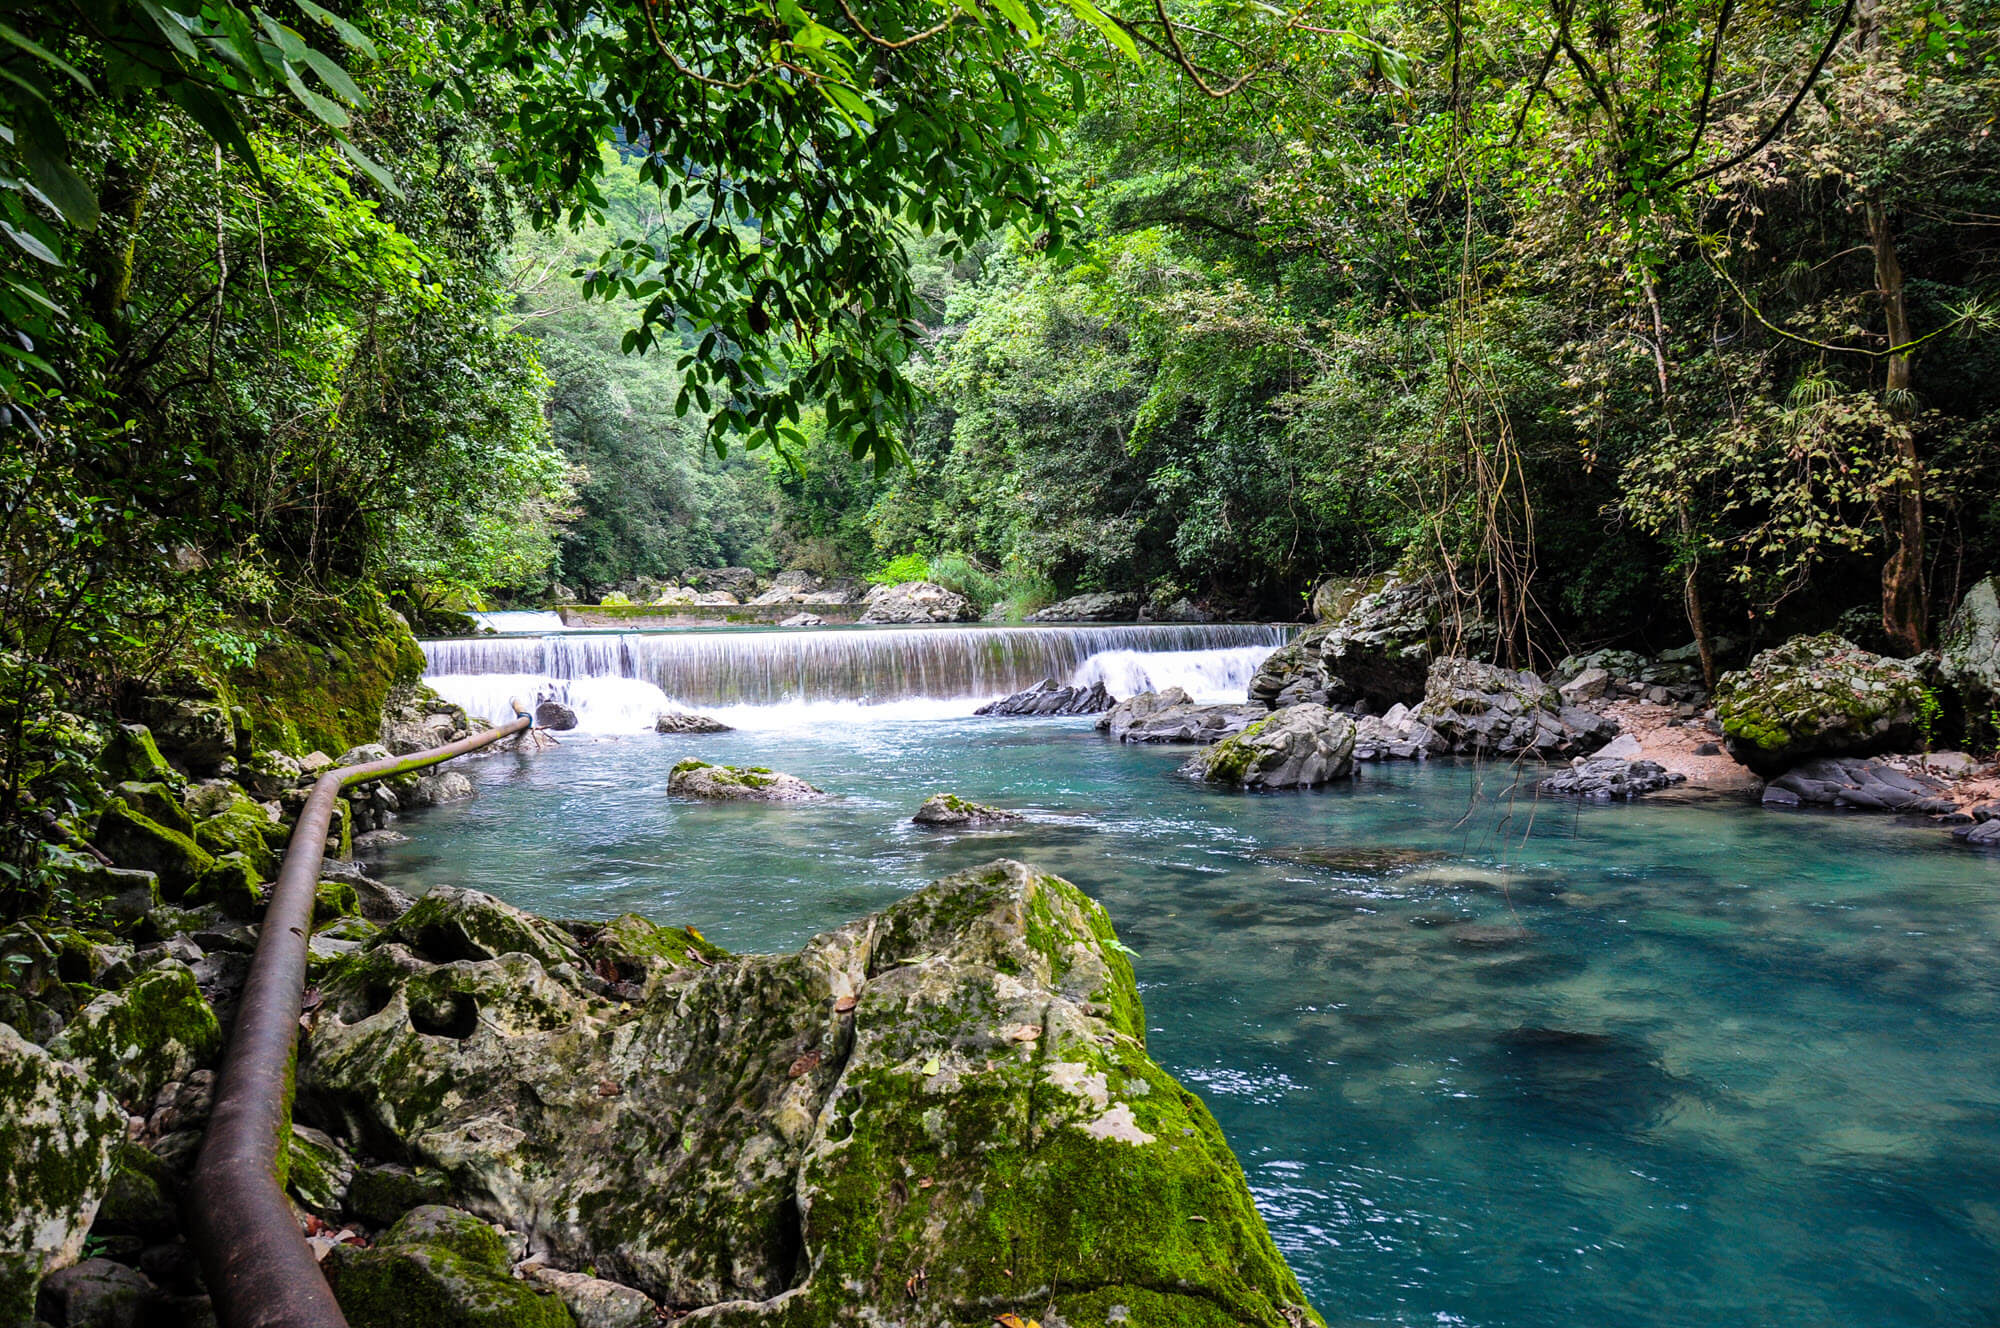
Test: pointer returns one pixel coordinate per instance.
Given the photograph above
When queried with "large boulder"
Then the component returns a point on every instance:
(740, 582)
(59, 1133)
(916, 602)
(683, 721)
(937, 1115)
(1297, 747)
(708, 782)
(1817, 696)
(1969, 655)
(132, 754)
(196, 734)
(133, 840)
(416, 718)
(155, 1030)
(1483, 709)
(438, 1268)
(1048, 698)
(1174, 716)
(1379, 652)
(1099, 606)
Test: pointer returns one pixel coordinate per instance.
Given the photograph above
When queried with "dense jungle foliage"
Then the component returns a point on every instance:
(1640, 318)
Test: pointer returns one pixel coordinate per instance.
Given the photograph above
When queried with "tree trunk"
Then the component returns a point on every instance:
(1691, 567)
(1904, 611)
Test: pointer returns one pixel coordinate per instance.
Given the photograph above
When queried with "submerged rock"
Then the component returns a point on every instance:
(931, 1116)
(1297, 747)
(695, 778)
(917, 602)
(1048, 698)
(1101, 606)
(1609, 778)
(1357, 861)
(1173, 716)
(1816, 696)
(682, 721)
(1867, 785)
(950, 809)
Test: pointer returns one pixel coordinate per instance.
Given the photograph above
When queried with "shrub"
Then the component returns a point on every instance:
(908, 567)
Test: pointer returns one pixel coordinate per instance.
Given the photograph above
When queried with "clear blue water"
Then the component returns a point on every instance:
(1728, 1067)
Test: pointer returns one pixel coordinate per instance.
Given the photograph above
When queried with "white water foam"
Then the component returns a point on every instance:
(1214, 677)
(521, 620)
(788, 680)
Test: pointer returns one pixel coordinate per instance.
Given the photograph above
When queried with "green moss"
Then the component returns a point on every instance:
(241, 830)
(1232, 758)
(156, 801)
(132, 754)
(335, 899)
(133, 1041)
(233, 884)
(422, 1286)
(323, 683)
(134, 840)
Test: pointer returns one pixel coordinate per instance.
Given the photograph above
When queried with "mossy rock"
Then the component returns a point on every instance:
(631, 949)
(931, 1116)
(707, 782)
(59, 1133)
(143, 1198)
(450, 924)
(131, 754)
(428, 1286)
(335, 899)
(319, 1171)
(156, 801)
(382, 1194)
(322, 685)
(121, 896)
(157, 1029)
(233, 884)
(134, 840)
(1817, 696)
(242, 829)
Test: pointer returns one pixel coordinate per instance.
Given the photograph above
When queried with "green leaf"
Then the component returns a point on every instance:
(171, 27)
(1103, 22)
(371, 168)
(336, 78)
(207, 109)
(1017, 14)
(347, 32)
(29, 245)
(44, 54)
(328, 113)
(62, 186)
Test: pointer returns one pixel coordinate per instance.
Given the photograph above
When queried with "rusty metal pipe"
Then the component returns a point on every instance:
(260, 1271)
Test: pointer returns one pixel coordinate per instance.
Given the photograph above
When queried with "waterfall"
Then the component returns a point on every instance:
(520, 620)
(617, 681)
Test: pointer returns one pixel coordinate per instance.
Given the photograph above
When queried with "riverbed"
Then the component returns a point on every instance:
(1486, 1061)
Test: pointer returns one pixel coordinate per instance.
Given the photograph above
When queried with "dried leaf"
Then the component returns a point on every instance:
(805, 1064)
(844, 1004)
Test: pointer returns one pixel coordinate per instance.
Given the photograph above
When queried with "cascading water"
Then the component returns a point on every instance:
(520, 620)
(618, 682)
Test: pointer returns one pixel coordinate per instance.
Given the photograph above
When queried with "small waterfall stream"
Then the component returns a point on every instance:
(619, 681)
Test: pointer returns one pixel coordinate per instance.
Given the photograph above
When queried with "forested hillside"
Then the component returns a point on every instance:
(1635, 321)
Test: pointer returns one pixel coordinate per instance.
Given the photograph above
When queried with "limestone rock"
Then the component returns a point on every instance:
(917, 602)
(438, 1268)
(803, 620)
(1816, 696)
(436, 787)
(596, 1303)
(195, 734)
(1985, 834)
(59, 1132)
(364, 754)
(1101, 606)
(247, 829)
(1294, 672)
(143, 844)
(681, 721)
(1173, 716)
(1853, 782)
(378, 902)
(951, 810)
(916, 1118)
(1969, 651)
(451, 925)
(694, 778)
(1047, 698)
(156, 801)
(738, 581)
(98, 1293)
(157, 1029)
(320, 1171)
(1394, 735)
(1485, 710)
(1298, 747)
(415, 718)
(131, 754)
(1609, 778)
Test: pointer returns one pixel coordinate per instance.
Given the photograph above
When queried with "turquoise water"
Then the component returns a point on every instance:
(1657, 1065)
